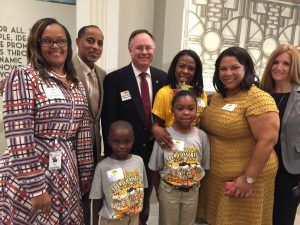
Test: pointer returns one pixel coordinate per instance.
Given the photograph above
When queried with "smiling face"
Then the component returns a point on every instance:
(231, 74)
(184, 109)
(54, 55)
(185, 69)
(121, 141)
(141, 49)
(90, 45)
(281, 67)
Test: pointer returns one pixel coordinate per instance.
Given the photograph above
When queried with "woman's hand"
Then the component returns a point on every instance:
(41, 204)
(240, 189)
(162, 137)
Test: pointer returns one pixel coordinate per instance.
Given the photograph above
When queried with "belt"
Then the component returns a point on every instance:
(54, 138)
(180, 188)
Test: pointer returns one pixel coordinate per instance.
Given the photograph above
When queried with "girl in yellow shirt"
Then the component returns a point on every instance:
(185, 73)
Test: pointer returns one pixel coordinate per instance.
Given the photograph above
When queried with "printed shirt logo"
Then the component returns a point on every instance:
(183, 168)
(127, 195)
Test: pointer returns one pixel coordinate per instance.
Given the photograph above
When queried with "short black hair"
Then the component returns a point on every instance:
(120, 124)
(82, 30)
(182, 94)
(245, 59)
(140, 31)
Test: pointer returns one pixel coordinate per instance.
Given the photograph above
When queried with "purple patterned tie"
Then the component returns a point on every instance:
(146, 100)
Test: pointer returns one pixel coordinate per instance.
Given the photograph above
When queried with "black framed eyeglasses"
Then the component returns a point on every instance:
(49, 42)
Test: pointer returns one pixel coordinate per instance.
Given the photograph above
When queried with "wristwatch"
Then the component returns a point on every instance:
(249, 180)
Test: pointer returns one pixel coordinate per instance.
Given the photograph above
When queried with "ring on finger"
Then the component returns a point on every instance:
(162, 143)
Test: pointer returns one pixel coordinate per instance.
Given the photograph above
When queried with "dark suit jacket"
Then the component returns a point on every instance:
(94, 122)
(131, 110)
(290, 132)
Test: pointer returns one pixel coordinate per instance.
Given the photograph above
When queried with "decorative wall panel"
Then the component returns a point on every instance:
(257, 25)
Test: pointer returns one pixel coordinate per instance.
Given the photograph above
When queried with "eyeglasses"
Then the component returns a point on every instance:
(141, 48)
(49, 42)
(128, 142)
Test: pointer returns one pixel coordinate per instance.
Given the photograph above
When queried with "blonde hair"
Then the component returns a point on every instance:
(267, 83)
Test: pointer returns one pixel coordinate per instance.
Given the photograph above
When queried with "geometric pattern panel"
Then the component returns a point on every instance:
(259, 26)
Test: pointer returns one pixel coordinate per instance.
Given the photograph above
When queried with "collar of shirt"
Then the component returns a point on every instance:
(148, 78)
(85, 68)
(137, 72)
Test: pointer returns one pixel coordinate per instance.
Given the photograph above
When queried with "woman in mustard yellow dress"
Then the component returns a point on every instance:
(242, 124)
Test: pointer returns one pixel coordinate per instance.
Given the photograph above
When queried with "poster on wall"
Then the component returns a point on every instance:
(15, 23)
(13, 44)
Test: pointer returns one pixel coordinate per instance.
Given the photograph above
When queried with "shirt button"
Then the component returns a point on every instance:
(144, 145)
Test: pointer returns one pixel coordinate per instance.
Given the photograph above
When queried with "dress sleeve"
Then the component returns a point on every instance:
(259, 102)
(18, 117)
(84, 148)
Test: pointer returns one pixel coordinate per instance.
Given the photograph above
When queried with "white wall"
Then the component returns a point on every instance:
(134, 14)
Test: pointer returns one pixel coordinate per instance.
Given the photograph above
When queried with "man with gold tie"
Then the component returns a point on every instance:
(90, 45)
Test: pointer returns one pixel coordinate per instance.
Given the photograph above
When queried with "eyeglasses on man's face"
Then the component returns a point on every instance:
(141, 48)
(49, 42)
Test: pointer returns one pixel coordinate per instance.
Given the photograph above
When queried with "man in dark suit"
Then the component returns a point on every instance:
(90, 46)
(123, 101)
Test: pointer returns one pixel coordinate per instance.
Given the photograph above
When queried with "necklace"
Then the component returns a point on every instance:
(62, 76)
(279, 98)
(282, 97)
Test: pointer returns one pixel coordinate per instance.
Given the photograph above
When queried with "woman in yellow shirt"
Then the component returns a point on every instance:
(185, 73)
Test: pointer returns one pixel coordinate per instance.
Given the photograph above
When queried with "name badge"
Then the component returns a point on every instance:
(125, 95)
(200, 103)
(55, 160)
(178, 145)
(52, 93)
(229, 107)
(115, 174)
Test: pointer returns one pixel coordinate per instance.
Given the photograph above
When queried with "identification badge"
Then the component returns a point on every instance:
(178, 145)
(115, 174)
(200, 103)
(55, 160)
(229, 107)
(125, 95)
(52, 93)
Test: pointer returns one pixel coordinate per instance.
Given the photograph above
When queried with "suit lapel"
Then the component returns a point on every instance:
(295, 94)
(83, 79)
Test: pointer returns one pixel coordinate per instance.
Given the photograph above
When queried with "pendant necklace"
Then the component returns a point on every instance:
(57, 75)
(279, 102)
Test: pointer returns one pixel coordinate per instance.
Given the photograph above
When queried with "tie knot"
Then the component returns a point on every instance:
(91, 74)
(143, 75)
